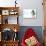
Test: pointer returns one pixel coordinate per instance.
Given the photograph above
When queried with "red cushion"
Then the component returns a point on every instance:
(29, 33)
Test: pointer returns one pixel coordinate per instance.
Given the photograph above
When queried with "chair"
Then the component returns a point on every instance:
(29, 33)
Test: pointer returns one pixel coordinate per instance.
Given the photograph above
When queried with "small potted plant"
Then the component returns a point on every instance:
(15, 3)
(33, 13)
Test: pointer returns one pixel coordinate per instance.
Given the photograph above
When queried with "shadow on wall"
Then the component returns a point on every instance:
(37, 29)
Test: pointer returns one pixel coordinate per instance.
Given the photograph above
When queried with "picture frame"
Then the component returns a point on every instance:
(29, 13)
(5, 12)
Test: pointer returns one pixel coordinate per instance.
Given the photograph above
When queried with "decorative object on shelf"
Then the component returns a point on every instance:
(15, 3)
(29, 13)
(5, 12)
(7, 34)
(15, 37)
(6, 21)
(15, 30)
(13, 12)
(15, 34)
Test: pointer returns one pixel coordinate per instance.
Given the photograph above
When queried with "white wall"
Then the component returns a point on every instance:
(28, 4)
(6, 3)
(33, 4)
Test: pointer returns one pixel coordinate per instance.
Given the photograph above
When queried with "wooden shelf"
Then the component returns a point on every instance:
(4, 24)
(9, 8)
(11, 26)
(10, 43)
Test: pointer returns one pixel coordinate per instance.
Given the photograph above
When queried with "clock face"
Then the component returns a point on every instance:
(5, 12)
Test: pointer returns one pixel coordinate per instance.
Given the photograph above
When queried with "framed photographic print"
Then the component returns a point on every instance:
(29, 13)
(5, 12)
